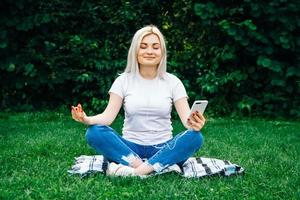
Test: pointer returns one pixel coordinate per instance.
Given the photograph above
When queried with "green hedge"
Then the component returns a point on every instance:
(243, 56)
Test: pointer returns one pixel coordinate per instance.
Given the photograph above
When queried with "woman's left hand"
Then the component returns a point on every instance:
(196, 121)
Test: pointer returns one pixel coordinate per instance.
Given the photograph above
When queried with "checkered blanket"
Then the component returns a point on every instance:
(194, 167)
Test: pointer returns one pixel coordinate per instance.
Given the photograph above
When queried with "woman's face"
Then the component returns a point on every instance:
(149, 52)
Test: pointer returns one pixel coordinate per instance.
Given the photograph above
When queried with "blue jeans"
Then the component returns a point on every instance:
(112, 146)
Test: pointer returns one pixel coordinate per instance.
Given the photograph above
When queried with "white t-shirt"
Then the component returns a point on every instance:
(147, 105)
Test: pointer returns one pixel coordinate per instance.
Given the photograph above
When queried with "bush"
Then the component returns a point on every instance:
(242, 56)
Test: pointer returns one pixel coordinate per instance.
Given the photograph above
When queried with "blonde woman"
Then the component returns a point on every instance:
(147, 93)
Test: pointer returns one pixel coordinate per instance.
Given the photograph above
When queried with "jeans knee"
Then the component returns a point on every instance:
(196, 139)
(95, 133)
(199, 140)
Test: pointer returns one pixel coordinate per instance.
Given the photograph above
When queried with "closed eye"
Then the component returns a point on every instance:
(143, 46)
(156, 46)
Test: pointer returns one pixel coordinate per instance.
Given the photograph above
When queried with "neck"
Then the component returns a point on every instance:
(148, 72)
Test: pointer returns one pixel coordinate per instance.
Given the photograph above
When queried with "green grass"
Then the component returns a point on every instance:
(37, 149)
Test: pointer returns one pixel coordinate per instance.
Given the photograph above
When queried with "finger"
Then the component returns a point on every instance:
(189, 122)
(199, 121)
(200, 124)
(192, 116)
(73, 112)
(196, 117)
(75, 115)
(80, 115)
(192, 122)
(196, 125)
(200, 116)
(80, 107)
(74, 108)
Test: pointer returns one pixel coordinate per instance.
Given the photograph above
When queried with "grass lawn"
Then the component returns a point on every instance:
(37, 149)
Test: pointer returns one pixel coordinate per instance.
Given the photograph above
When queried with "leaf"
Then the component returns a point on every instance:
(270, 64)
(244, 105)
(29, 70)
(293, 71)
(232, 31)
(263, 61)
(3, 45)
(76, 39)
(245, 42)
(210, 88)
(11, 67)
(248, 23)
(283, 39)
(46, 18)
(198, 9)
(224, 24)
(19, 85)
(278, 82)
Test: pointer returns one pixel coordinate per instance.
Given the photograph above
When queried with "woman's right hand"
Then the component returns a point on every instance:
(78, 114)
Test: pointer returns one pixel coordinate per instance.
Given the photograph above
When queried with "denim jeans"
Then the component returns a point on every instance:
(111, 145)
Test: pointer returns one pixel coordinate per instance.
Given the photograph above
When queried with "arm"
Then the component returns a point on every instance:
(110, 113)
(183, 110)
(106, 118)
(195, 121)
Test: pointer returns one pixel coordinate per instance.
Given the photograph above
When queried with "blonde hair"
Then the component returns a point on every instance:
(132, 63)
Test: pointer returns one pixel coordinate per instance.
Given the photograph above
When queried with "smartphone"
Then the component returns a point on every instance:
(199, 106)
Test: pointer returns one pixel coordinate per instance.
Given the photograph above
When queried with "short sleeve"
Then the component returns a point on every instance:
(179, 91)
(118, 86)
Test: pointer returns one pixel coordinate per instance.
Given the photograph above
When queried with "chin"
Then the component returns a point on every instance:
(150, 63)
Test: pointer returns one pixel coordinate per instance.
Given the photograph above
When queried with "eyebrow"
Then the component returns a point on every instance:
(147, 43)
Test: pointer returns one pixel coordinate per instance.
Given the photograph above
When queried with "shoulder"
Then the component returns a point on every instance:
(171, 78)
(123, 77)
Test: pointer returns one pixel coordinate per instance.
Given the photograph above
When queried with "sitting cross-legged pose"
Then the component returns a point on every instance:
(147, 93)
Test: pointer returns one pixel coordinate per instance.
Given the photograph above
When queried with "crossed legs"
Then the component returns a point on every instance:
(115, 148)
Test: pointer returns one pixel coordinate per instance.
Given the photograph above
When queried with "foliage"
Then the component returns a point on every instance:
(243, 56)
(255, 59)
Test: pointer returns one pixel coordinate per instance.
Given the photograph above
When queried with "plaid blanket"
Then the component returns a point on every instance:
(194, 167)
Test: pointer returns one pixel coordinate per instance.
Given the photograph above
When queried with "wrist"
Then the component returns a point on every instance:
(86, 120)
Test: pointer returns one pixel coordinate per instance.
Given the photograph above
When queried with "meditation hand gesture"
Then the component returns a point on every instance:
(78, 114)
(196, 121)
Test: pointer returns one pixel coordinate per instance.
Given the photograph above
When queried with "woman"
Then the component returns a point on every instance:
(147, 93)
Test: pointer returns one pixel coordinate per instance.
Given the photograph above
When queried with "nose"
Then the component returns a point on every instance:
(149, 50)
